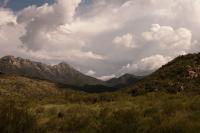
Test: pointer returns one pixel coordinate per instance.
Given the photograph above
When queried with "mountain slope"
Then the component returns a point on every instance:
(18, 86)
(61, 73)
(124, 80)
(181, 74)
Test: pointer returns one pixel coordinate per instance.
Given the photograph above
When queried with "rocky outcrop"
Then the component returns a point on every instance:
(194, 72)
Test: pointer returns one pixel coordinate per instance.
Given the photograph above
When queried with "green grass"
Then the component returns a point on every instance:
(156, 112)
(35, 106)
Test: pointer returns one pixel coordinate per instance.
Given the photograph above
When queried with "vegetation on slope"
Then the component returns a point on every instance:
(180, 75)
(124, 80)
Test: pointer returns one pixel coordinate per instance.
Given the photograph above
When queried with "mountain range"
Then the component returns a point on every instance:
(61, 73)
(181, 74)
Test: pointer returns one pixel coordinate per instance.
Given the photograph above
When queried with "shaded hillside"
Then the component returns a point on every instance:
(181, 74)
(61, 73)
(124, 80)
(17, 86)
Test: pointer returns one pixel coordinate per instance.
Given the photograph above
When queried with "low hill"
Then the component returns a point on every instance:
(181, 74)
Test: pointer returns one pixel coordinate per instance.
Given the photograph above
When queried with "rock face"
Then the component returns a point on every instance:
(60, 73)
(194, 72)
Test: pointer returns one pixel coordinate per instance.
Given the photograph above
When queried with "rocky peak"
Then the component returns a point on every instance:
(8, 58)
(15, 61)
(62, 65)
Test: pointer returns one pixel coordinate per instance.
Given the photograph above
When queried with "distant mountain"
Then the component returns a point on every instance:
(124, 80)
(61, 73)
(180, 75)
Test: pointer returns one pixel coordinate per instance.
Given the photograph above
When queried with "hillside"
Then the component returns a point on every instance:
(124, 80)
(180, 75)
(22, 87)
(60, 73)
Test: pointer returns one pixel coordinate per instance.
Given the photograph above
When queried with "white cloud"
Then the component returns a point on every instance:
(43, 20)
(146, 65)
(91, 73)
(108, 77)
(7, 17)
(47, 33)
(124, 40)
(89, 55)
(64, 55)
(87, 34)
(169, 38)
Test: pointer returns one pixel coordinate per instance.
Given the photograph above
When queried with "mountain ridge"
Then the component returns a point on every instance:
(124, 80)
(63, 74)
(60, 73)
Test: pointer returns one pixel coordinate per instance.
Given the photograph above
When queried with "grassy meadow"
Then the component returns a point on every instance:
(23, 110)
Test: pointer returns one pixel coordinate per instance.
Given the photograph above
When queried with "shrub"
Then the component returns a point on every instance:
(121, 121)
(14, 119)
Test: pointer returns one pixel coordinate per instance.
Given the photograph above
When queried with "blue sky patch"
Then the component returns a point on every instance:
(17, 5)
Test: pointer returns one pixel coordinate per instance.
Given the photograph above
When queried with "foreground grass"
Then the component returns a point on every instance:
(156, 112)
(34, 106)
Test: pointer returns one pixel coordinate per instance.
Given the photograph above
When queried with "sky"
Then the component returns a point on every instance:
(17, 5)
(101, 38)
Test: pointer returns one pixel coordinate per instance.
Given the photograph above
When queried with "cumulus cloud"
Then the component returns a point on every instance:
(105, 78)
(50, 32)
(39, 21)
(7, 17)
(146, 65)
(91, 73)
(124, 40)
(168, 38)
(10, 32)
(89, 55)
(98, 35)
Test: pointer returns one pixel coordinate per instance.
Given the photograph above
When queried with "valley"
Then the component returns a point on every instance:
(166, 101)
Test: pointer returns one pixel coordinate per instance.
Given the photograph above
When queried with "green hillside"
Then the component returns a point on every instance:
(180, 75)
